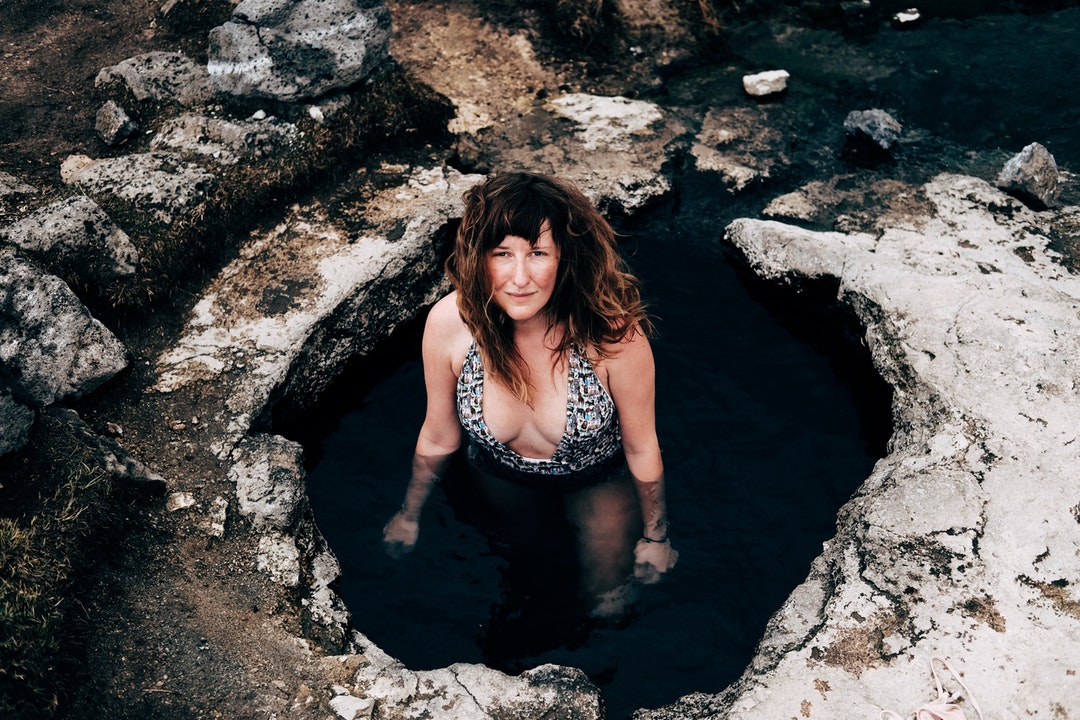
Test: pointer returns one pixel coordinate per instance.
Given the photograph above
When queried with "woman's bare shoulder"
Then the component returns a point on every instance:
(445, 327)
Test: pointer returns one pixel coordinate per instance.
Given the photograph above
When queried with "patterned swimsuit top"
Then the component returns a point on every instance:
(591, 445)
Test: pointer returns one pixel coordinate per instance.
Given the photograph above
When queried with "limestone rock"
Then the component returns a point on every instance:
(161, 186)
(225, 141)
(50, 346)
(945, 549)
(77, 240)
(1032, 175)
(269, 478)
(311, 283)
(11, 185)
(279, 558)
(615, 152)
(875, 126)
(474, 692)
(290, 50)
(349, 707)
(770, 82)
(160, 77)
(113, 124)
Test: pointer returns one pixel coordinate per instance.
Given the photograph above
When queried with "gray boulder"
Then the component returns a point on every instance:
(159, 186)
(161, 77)
(51, 348)
(875, 126)
(1031, 175)
(269, 477)
(77, 239)
(225, 141)
(288, 50)
(113, 124)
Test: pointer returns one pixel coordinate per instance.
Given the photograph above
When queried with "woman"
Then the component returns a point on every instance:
(540, 357)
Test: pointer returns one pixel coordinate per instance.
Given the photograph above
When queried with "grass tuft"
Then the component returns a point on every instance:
(55, 514)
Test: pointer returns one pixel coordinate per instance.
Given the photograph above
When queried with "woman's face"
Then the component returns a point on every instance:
(522, 275)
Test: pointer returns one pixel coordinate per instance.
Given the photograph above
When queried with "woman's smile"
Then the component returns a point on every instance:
(523, 275)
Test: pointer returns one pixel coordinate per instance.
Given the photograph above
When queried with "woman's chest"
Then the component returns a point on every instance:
(537, 427)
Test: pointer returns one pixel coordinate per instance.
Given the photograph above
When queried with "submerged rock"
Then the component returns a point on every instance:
(739, 144)
(874, 126)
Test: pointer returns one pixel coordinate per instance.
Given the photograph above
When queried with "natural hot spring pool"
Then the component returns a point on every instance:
(762, 443)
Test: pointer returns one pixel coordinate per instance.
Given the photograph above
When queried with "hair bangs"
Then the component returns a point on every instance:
(522, 214)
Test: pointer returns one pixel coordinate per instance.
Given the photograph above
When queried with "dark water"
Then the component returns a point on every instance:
(768, 420)
(762, 443)
(990, 81)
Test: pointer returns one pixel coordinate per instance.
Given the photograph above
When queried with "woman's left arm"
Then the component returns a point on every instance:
(632, 382)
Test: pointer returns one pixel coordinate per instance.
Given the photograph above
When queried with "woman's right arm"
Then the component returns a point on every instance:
(440, 435)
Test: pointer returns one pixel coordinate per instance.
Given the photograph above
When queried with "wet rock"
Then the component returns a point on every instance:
(77, 240)
(770, 82)
(875, 127)
(113, 125)
(290, 50)
(225, 141)
(739, 144)
(160, 77)
(160, 186)
(1031, 175)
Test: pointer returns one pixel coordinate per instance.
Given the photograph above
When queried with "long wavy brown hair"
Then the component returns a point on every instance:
(595, 296)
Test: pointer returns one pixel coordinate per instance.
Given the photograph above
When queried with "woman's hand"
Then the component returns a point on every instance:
(399, 535)
(653, 559)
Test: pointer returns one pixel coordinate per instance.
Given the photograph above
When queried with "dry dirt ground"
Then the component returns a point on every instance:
(50, 52)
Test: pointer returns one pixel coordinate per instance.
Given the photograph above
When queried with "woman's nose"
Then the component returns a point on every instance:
(521, 273)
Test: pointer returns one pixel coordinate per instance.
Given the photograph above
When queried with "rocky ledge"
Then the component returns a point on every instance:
(961, 544)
